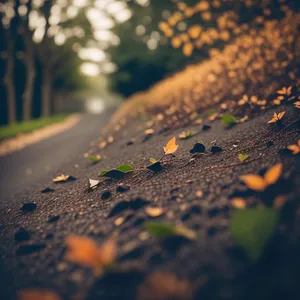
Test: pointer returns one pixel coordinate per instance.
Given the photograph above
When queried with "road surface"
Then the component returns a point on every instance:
(32, 165)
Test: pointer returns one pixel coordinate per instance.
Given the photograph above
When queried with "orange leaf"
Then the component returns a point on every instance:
(280, 115)
(273, 174)
(171, 146)
(162, 285)
(254, 182)
(37, 294)
(85, 251)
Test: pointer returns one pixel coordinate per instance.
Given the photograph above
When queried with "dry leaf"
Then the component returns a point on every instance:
(110, 139)
(154, 211)
(171, 146)
(37, 294)
(273, 174)
(279, 201)
(295, 148)
(259, 183)
(297, 104)
(119, 221)
(149, 131)
(163, 286)
(102, 145)
(277, 117)
(85, 251)
(61, 178)
(199, 193)
(238, 202)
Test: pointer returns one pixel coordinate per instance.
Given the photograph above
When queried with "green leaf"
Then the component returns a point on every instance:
(210, 112)
(187, 134)
(114, 173)
(161, 230)
(102, 173)
(252, 229)
(94, 158)
(125, 168)
(152, 160)
(243, 156)
(228, 120)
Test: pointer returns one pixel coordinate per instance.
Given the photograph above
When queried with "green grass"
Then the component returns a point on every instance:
(28, 126)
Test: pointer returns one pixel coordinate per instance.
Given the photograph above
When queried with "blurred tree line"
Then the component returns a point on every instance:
(162, 37)
(36, 67)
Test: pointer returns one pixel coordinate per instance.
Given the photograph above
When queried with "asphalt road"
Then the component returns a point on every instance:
(32, 166)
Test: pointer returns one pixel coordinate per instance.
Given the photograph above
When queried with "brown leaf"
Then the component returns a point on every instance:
(85, 251)
(163, 286)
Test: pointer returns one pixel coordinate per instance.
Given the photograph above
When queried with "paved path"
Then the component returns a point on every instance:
(28, 167)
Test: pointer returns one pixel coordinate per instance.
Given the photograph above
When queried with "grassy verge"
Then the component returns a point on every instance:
(28, 126)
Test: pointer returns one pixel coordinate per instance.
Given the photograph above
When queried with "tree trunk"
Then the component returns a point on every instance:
(46, 91)
(30, 76)
(9, 83)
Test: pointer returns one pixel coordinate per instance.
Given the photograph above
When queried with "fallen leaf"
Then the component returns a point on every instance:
(162, 286)
(117, 173)
(272, 175)
(238, 203)
(149, 131)
(184, 135)
(228, 120)
(102, 145)
(277, 117)
(254, 182)
(94, 158)
(152, 160)
(119, 221)
(297, 104)
(295, 148)
(61, 178)
(161, 230)
(243, 156)
(154, 211)
(37, 294)
(86, 252)
(171, 146)
(252, 229)
(279, 201)
(93, 184)
(259, 183)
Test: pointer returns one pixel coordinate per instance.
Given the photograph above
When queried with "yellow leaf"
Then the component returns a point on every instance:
(85, 251)
(61, 178)
(171, 146)
(154, 211)
(37, 294)
(254, 182)
(273, 174)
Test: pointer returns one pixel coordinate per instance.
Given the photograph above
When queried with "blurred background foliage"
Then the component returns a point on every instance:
(54, 55)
